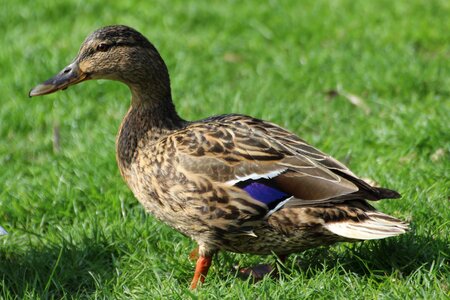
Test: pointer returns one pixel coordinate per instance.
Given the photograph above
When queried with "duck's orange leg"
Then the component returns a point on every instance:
(201, 269)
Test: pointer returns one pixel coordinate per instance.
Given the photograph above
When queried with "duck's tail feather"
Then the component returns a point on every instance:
(377, 226)
(387, 193)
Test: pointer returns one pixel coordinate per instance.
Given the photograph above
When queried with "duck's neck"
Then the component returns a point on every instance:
(151, 116)
(155, 103)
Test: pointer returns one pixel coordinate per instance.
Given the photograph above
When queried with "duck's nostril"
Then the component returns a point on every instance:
(67, 70)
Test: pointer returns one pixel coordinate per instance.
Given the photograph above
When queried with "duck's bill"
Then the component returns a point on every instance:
(70, 75)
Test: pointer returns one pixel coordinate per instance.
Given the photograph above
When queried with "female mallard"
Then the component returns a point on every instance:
(229, 182)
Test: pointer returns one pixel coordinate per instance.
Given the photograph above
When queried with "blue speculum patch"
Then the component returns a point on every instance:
(263, 190)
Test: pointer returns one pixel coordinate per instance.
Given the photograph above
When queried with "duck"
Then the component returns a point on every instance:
(229, 182)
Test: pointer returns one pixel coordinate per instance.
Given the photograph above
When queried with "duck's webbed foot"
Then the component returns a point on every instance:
(258, 272)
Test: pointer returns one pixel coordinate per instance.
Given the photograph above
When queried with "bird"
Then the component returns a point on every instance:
(229, 182)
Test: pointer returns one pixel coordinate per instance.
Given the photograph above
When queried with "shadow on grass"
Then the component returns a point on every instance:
(55, 270)
(403, 256)
(82, 268)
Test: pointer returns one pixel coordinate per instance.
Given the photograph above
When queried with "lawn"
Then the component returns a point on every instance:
(365, 81)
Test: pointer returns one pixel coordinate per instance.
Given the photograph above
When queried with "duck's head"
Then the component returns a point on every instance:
(118, 53)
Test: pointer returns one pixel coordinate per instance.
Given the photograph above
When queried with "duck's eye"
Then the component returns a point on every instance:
(103, 47)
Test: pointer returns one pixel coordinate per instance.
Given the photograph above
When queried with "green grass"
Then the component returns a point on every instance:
(76, 231)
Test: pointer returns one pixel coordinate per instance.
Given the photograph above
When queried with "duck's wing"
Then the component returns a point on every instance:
(263, 168)
(232, 149)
